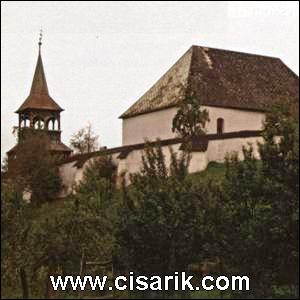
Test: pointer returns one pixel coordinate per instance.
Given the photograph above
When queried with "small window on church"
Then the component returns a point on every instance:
(220, 126)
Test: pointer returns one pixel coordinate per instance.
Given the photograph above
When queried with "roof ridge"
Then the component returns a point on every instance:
(236, 52)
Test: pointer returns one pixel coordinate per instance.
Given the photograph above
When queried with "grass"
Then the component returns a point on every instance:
(215, 171)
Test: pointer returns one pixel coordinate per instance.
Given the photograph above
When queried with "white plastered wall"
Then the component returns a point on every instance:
(216, 152)
(158, 124)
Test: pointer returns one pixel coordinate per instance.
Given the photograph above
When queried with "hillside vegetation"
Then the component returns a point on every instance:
(242, 215)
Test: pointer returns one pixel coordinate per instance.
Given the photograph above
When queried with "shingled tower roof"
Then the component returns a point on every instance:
(40, 112)
(221, 78)
(39, 97)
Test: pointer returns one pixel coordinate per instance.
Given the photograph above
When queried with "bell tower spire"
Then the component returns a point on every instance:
(39, 98)
(39, 112)
(39, 83)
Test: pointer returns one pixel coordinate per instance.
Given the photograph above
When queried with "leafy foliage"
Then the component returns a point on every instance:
(51, 238)
(34, 169)
(262, 207)
(247, 215)
(190, 119)
(157, 222)
(14, 227)
(84, 141)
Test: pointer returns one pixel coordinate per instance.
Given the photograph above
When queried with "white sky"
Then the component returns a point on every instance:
(100, 57)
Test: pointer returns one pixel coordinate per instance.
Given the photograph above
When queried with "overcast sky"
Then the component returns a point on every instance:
(100, 57)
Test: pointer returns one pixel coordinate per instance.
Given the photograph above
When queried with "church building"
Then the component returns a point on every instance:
(237, 89)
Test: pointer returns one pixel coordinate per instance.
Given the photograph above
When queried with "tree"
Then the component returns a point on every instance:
(280, 170)
(100, 169)
(34, 168)
(190, 120)
(98, 190)
(59, 236)
(280, 150)
(14, 227)
(158, 218)
(262, 207)
(51, 238)
(84, 141)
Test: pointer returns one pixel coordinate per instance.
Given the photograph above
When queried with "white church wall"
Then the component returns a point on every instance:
(159, 124)
(234, 119)
(148, 126)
